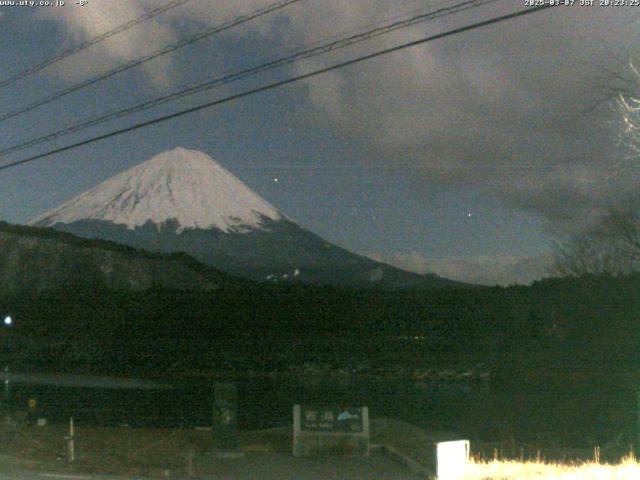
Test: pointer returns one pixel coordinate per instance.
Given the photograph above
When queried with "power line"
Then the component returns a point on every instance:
(236, 76)
(158, 53)
(92, 41)
(282, 83)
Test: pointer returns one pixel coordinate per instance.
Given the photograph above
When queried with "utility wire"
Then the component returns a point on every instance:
(252, 71)
(157, 53)
(92, 41)
(282, 83)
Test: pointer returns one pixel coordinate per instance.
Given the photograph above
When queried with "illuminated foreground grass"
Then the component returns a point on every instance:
(627, 469)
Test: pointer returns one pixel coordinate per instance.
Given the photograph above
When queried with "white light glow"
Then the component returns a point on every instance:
(8, 321)
(453, 458)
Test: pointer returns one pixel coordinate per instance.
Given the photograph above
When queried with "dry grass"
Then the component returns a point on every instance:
(414, 443)
(150, 452)
(627, 469)
(106, 450)
(154, 452)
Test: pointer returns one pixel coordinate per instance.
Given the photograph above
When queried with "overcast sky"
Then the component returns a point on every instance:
(466, 156)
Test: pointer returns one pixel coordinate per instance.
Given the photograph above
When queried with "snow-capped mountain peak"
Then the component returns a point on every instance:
(183, 185)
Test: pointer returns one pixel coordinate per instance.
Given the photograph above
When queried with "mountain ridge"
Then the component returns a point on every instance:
(182, 200)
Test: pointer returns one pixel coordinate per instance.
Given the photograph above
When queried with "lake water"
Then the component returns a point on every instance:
(262, 402)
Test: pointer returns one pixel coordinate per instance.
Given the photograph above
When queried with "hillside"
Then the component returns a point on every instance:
(36, 260)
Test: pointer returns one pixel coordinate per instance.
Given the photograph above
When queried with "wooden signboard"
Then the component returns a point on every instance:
(330, 429)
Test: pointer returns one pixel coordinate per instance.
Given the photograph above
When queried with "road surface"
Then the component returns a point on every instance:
(267, 466)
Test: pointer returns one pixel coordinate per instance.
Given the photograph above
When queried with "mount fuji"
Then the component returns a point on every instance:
(183, 200)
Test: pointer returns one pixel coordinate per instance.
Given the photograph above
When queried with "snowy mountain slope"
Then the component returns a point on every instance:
(183, 201)
(183, 185)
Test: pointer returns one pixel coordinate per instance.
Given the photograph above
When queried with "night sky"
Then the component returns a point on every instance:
(467, 156)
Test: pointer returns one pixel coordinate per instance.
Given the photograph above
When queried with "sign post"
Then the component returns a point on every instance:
(337, 430)
(225, 416)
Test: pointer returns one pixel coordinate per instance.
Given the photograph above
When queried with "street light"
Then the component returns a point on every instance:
(8, 322)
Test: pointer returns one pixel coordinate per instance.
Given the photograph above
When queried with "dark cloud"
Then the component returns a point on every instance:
(520, 111)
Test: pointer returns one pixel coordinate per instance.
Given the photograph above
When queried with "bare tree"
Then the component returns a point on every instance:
(612, 245)
(629, 107)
